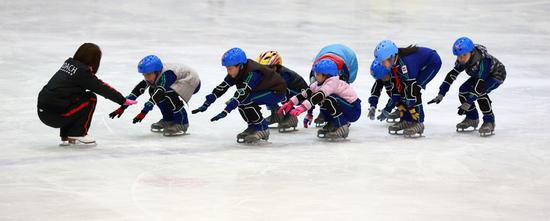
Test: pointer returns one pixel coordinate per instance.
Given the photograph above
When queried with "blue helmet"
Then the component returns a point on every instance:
(326, 67)
(233, 56)
(377, 70)
(384, 50)
(462, 46)
(150, 63)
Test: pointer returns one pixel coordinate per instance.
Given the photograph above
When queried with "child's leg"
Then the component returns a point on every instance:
(253, 116)
(252, 110)
(332, 112)
(464, 93)
(485, 102)
(166, 110)
(80, 117)
(351, 111)
(172, 109)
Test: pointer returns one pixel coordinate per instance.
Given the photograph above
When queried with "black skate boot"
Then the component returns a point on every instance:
(319, 121)
(338, 133)
(394, 117)
(487, 129)
(415, 129)
(256, 136)
(322, 133)
(158, 126)
(274, 118)
(399, 126)
(288, 124)
(173, 129)
(246, 132)
(467, 125)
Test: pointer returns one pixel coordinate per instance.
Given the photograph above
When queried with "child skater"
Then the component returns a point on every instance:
(486, 74)
(346, 61)
(414, 67)
(68, 100)
(339, 103)
(169, 86)
(256, 85)
(294, 82)
(382, 80)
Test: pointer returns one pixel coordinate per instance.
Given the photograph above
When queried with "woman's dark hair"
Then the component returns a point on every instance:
(408, 50)
(89, 54)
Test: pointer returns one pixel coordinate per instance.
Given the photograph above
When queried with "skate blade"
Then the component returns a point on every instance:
(466, 130)
(157, 130)
(256, 142)
(336, 139)
(319, 124)
(78, 144)
(287, 129)
(395, 132)
(174, 134)
(488, 134)
(388, 120)
(240, 139)
(413, 136)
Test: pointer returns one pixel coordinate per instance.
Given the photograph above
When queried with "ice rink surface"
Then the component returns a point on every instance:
(134, 174)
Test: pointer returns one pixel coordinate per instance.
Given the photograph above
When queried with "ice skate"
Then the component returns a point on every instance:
(467, 125)
(173, 129)
(394, 117)
(341, 132)
(487, 129)
(415, 129)
(319, 121)
(158, 126)
(321, 133)
(246, 132)
(274, 117)
(288, 124)
(84, 141)
(399, 126)
(257, 136)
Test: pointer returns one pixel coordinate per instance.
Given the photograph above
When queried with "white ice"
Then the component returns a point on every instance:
(134, 174)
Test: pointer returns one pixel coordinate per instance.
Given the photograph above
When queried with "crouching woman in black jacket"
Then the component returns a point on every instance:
(68, 100)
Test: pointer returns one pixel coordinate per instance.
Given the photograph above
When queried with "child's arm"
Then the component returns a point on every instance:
(450, 78)
(218, 91)
(166, 80)
(252, 80)
(375, 93)
(446, 85)
(138, 90)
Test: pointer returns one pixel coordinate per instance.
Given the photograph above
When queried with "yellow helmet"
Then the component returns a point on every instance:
(270, 58)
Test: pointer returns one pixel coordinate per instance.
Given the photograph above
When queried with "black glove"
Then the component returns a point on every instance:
(219, 116)
(437, 99)
(202, 108)
(118, 112)
(139, 117)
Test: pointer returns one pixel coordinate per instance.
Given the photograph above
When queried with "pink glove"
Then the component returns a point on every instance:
(286, 107)
(129, 102)
(297, 111)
